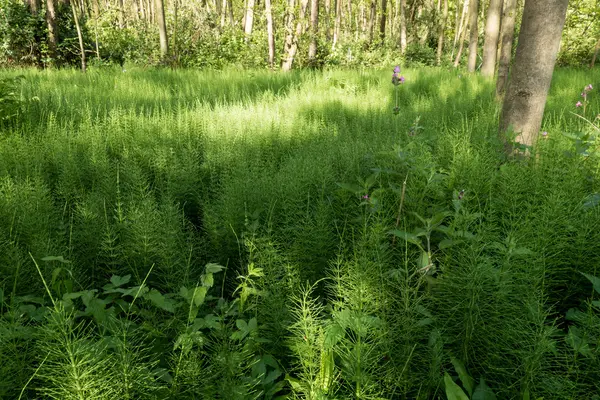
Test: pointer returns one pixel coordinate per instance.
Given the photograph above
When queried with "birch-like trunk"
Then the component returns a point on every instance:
(473, 35)
(492, 32)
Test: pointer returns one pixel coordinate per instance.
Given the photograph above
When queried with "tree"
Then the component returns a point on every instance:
(596, 50)
(403, 41)
(52, 30)
(249, 19)
(508, 33)
(314, 30)
(270, 33)
(79, 36)
(492, 32)
(162, 29)
(442, 27)
(473, 35)
(293, 47)
(531, 75)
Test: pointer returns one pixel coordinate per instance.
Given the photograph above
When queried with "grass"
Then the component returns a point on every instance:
(162, 174)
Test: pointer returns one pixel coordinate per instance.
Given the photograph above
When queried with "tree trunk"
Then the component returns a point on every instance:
(270, 34)
(460, 25)
(383, 20)
(492, 32)
(34, 6)
(162, 29)
(338, 22)
(474, 35)
(373, 10)
(52, 31)
(402, 26)
(461, 44)
(595, 54)
(440, 47)
(79, 36)
(531, 75)
(287, 65)
(314, 30)
(289, 28)
(249, 20)
(508, 33)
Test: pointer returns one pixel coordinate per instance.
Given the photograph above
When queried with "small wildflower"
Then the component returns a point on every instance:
(366, 197)
(544, 134)
(584, 95)
(402, 79)
(578, 104)
(588, 87)
(397, 70)
(461, 194)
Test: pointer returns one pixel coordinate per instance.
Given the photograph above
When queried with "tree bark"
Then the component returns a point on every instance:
(270, 34)
(440, 46)
(249, 20)
(383, 20)
(403, 26)
(289, 28)
(492, 32)
(461, 44)
(79, 36)
(473, 36)
(287, 65)
(314, 30)
(338, 22)
(34, 6)
(52, 31)
(162, 29)
(460, 26)
(508, 32)
(373, 10)
(531, 75)
(595, 54)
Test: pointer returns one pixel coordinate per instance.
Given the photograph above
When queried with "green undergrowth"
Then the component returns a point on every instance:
(248, 235)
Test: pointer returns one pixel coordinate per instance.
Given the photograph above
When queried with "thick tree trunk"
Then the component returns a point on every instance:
(270, 33)
(52, 31)
(249, 20)
(403, 26)
(492, 32)
(595, 54)
(314, 30)
(162, 29)
(508, 32)
(531, 75)
(79, 36)
(473, 36)
(442, 28)
(383, 20)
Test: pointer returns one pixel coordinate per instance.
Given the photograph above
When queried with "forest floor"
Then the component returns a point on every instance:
(317, 235)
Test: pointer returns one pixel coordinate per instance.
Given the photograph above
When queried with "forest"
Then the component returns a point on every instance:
(313, 199)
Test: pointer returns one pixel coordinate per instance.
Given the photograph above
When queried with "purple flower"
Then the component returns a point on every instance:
(397, 70)
(578, 104)
(588, 87)
(544, 134)
(366, 197)
(402, 79)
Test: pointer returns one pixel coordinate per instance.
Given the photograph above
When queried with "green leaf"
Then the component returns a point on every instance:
(60, 259)
(350, 187)
(160, 301)
(447, 243)
(208, 280)
(423, 260)
(117, 280)
(595, 281)
(199, 295)
(439, 217)
(407, 237)
(453, 391)
(333, 334)
(371, 179)
(252, 325)
(214, 268)
(483, 392)
(465, 378)
(242, 325)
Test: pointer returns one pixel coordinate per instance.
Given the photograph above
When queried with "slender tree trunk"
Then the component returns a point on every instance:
(531, 75)
(314, 30)
(249, 20)
(595, 54)
(338, 22)
(383, 20)
(403, 26)
(79, 36)
(473, 36)
(287, 65)
(270, 34)
(121, 14)
(492, 32)
(223, 13)
(34, 6)
(461, 44)
(162, 29)
(52, 31)
(508, 33)
(289, 28)
(373, 10)
(444, 20)
(460, 25)
(327, 20)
